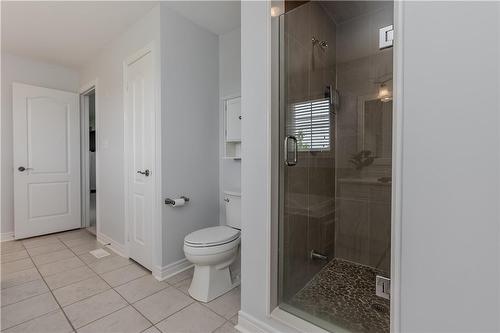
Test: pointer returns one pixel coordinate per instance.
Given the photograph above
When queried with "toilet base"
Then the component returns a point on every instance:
(209, 282)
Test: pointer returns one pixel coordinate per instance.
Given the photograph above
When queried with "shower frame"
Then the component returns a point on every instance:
(273, 310)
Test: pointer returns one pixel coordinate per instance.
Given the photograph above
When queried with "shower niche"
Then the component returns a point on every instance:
(335, 121)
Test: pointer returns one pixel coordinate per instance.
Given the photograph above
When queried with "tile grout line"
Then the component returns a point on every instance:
(87, 297)
(55, 299)
(111, 288)
(51, 312)
(167, 285)
(27, 298)
(50, 291)
(126, 301)
(200, 303)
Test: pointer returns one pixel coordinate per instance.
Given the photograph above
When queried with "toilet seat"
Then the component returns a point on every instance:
(210, 237)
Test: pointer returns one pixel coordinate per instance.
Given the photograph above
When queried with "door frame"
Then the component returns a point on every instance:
(84, 159)
(156, 230)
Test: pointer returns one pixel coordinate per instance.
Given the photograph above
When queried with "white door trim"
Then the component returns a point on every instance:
(397, 167)
(156, 245)
(93, 85)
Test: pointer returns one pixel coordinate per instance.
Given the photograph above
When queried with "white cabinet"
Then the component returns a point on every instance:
(233, 120)
(232, 137)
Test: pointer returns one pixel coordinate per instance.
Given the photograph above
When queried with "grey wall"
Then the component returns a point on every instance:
(229, 86)
(107, 67)
(190, 129)
(450, 275)
(256, 163)
(20, 69)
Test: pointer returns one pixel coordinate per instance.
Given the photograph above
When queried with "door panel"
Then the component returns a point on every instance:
(58, 205)
(233, 120)
(47, 153)
(47, 146)
(140, 129)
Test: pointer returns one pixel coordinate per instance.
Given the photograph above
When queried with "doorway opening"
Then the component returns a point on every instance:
(335, 173)
(89, 170)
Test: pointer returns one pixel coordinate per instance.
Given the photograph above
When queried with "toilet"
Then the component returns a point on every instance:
(212, 251)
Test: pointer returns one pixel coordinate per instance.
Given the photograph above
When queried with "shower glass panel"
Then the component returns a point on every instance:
(335, 173)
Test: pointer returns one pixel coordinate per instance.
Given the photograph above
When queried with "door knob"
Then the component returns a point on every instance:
(145, 172)
(21, 169)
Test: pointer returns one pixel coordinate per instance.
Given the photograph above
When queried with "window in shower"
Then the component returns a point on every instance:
(335, 198)
(310, 124)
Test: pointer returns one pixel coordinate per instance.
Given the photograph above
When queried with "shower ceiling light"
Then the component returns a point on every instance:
(384, 94)
(275, 11)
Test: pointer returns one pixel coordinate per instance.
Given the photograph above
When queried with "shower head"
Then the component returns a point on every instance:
(322, 43)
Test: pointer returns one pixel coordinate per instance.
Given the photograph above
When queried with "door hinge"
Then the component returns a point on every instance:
(386, 37)
(383, 287)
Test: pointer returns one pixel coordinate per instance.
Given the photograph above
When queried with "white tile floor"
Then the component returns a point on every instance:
(52, 284)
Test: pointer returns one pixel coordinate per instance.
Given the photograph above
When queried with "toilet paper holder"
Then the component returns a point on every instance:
(171, 202)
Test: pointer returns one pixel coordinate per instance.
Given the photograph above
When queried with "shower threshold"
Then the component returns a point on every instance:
(343, 293)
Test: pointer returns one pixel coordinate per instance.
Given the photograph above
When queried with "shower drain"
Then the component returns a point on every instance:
(380, 308)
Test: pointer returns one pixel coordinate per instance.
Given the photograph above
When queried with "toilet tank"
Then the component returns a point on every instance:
(232, 201)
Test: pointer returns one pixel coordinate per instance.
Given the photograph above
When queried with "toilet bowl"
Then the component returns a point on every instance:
(212, 251)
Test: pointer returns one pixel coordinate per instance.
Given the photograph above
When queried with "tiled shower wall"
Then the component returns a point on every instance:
(363, 202)
(330, 207)
(310, 185)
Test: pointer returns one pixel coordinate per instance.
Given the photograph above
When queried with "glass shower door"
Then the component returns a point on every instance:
(335, 174)
(308, 159)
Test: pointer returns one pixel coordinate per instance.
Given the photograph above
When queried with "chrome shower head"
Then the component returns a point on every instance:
(322, 43)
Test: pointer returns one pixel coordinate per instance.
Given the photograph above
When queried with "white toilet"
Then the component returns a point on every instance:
(212, 251)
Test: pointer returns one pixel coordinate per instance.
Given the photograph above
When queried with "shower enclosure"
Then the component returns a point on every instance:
(335, 174)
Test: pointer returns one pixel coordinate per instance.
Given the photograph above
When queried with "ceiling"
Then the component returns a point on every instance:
(343, 11)
(67, 33)
(218, 17)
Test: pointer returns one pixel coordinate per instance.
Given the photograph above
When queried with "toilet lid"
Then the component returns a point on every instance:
(212, 236)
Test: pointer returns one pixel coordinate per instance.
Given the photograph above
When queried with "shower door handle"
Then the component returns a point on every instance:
(295, 157)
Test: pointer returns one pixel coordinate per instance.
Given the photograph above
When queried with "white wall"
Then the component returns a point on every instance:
(20, 69)
(108, 69)
(229, 86)
(255, 181)
(450, 277)
(190, 129)
(450, 274)
(256, 167)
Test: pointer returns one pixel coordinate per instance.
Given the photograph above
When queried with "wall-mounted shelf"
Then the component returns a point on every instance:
(232, 128)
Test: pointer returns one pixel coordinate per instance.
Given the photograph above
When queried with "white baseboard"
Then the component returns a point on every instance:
(6, 236)
(162, 273)
(114, 246)
(282, 322)
(250, 324)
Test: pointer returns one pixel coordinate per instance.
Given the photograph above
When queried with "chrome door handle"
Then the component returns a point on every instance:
(295, 156)
(21, 169)
(145, 172)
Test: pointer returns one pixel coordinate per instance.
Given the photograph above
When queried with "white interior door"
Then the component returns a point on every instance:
(46, 161)
(140, 146)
